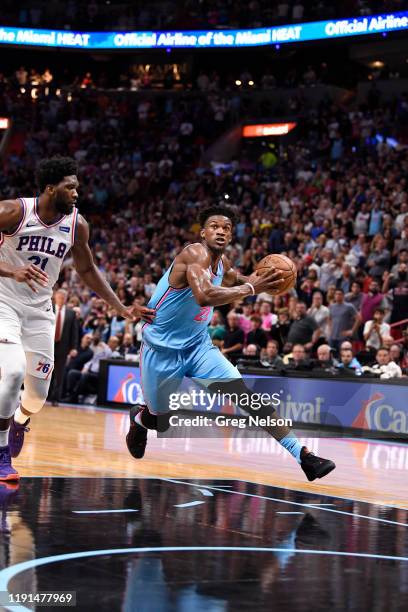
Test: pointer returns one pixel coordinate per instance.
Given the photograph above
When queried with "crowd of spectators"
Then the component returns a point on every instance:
(36, 81)
(335, 202)
(190, 14)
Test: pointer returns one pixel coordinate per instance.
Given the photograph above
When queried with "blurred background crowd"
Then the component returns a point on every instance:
(190, 14)
(333, 198)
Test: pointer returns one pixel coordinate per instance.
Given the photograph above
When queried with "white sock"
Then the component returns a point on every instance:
(138, 419)
(4, 437)
(20, 417)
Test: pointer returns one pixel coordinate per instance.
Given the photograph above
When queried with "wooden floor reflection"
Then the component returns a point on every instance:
(70, 441)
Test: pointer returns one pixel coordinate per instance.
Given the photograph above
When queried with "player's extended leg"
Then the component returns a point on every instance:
(161, 373)
(36, 386)
(211, 369)
(12, 372)
(37, 334)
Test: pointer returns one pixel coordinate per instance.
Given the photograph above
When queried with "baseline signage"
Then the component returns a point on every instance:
(201, 39)
(363, 405)
(123, 384)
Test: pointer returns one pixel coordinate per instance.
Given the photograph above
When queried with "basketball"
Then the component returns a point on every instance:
(282, 264)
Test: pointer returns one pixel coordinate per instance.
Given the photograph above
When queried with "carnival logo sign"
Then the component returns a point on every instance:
(377, 415)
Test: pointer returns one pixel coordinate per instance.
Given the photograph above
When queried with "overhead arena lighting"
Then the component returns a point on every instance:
(267, 129)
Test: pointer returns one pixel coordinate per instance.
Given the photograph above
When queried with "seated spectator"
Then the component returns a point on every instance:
(304, 329)
(280, 331)
(257, 335)
(251, 350)
(375, 330)
(297, 360)
(346, 365)
(324, 359)
(114, 345)
(270, 356)
(117, 325)
(344, 319)
(216, 326)
(218, 338)
(355, 363)
(268, 317)
(384, 367)
(77, 359)
(397, 355)
(320, 313)
(388, 341)
(402, 259)
(245, 312)
(234, 336)
(127, 347)
(85, 382)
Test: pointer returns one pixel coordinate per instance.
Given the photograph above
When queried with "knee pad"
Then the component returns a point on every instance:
(12, 372)
(35, 393)
(12, 364)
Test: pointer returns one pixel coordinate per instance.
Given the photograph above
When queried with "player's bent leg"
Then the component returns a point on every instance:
(160, 376)
(313, 466)
(212, 370)
(36, 387)
(12, 372)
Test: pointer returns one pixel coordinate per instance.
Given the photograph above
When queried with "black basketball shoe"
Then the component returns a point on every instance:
(136, 438)
(313, 466)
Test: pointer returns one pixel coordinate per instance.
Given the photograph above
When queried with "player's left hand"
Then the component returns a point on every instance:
(137, 312)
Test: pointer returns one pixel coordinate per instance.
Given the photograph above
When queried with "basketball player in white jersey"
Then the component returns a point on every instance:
(35, 236)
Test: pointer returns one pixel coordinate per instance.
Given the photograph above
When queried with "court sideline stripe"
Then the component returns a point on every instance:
(284, 501)
(254, 482)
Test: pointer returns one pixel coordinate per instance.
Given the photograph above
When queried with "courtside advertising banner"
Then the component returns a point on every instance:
(367, 405)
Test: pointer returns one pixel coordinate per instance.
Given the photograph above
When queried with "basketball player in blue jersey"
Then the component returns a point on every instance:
(35, 235)
(177, 343)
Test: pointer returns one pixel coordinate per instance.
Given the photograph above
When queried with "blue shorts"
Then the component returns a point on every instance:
(162, 371)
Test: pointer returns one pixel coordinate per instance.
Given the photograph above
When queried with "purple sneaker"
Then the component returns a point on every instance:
(7, 472)
(16, 436)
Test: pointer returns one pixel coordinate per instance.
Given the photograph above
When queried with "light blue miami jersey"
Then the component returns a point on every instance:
(180, 323)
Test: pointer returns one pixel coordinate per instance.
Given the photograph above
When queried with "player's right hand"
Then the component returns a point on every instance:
(31, 275)
(269, 282)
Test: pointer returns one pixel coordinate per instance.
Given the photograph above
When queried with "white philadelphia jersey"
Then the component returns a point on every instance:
(37, 243)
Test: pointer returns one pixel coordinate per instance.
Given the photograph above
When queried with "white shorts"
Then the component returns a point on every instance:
(34, 328)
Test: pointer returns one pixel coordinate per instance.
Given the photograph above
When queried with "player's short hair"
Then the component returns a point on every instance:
(217, 210)
(52, 171)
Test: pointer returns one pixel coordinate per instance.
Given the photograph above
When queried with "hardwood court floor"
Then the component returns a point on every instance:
(72, 441)
(169, 545)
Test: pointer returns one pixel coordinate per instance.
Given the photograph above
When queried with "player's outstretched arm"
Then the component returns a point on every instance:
(11, 215)
(206, 294)
(89, 273)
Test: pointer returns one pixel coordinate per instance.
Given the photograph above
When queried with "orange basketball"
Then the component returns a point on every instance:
(282, 264)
